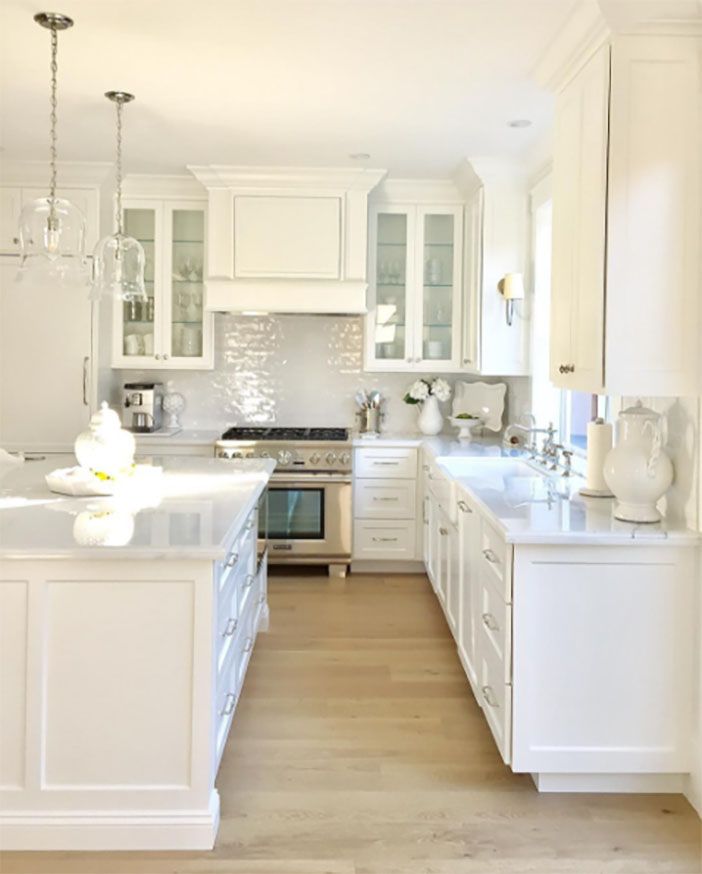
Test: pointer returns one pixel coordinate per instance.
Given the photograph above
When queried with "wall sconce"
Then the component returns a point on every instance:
(511, 287)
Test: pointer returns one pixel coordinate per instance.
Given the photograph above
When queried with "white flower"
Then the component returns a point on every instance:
(419, 390)
(441, 389)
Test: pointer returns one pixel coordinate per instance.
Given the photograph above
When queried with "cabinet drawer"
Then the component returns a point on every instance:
(495, 623)
(496, 700)
(239, 553)
(226, 699)
(384, 540)
(496, 556)
(384, 499)
(382, 463)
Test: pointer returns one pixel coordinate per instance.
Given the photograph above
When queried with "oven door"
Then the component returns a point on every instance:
(308, 518)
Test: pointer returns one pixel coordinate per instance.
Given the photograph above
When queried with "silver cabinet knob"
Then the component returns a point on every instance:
(490, 556)
(166, 357)
(489, 696)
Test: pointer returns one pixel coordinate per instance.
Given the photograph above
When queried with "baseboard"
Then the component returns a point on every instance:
(607, 783)
(387, 567)
(111, 830)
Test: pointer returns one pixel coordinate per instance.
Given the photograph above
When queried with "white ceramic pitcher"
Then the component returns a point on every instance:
(637, 469)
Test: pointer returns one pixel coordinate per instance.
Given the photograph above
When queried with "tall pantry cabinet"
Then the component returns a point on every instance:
(626, 218)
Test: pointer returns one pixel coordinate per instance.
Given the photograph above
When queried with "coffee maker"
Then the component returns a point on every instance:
(142, 405)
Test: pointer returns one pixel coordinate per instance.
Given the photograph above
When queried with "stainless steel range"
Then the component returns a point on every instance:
(308, 518)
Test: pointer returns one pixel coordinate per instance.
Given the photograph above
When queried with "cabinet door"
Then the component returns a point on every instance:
(10, 207)
(472, 284)
(137, 328)
(438, 275)
(468, 546)
(579, 228)
(187, 338)
(389, 323)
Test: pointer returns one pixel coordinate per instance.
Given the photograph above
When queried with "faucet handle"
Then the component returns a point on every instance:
(567, 462)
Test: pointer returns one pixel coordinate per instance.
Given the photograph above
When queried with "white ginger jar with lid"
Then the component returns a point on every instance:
(105, 448)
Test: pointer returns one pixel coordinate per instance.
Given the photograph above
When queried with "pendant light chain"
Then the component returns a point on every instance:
(53, 152)
(119, 167)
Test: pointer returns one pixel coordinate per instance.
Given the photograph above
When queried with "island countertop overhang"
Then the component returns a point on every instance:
(200, 507)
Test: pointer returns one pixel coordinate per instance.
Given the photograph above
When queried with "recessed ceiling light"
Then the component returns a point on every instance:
(359, 156)
(519, 122)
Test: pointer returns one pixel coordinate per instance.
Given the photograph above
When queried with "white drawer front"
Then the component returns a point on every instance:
(385, 463)
(384, 499)
(496, 700)
(496, 556)
(495, 624)
(384, 540)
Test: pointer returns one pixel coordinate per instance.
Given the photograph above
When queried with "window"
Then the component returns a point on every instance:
(569, 411)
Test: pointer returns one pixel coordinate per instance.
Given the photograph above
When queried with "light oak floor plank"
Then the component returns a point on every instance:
(358, 749)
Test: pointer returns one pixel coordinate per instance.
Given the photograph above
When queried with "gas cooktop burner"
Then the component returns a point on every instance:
(246, 433)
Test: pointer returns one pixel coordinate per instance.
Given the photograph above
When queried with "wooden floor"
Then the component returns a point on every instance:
(359, 749)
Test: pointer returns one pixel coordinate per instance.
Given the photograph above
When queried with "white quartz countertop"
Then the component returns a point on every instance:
(184, 437)
(527, 506)
(199, 506)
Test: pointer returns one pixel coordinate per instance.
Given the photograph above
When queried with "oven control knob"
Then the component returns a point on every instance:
(344, 458)
(223, 453)
(285, 456)
(315, 458)
(331, 457)
(264, 454)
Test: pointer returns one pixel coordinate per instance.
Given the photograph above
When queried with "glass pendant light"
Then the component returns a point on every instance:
(51, 229)
(119, 260)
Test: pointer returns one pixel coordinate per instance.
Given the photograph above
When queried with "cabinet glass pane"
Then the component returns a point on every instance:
(188, 235)
(391, 287)
(138, 324)
(438, 287)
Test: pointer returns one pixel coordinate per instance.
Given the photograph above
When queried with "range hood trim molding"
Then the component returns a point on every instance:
(313, 297)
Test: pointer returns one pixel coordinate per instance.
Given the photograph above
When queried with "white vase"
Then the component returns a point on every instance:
(430, 419)
(637, 470)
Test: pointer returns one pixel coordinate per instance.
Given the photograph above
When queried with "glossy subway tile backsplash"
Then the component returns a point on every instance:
(296, 370)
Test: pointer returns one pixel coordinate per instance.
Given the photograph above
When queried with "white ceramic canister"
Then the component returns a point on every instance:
(637, 469)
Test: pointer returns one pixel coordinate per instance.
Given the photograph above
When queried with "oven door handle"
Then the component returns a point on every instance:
(308, 481)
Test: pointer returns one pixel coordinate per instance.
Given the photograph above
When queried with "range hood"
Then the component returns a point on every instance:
(286, 240)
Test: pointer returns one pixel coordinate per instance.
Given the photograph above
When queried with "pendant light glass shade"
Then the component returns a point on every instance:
(52, 230)
(119, 260)
(118, 269)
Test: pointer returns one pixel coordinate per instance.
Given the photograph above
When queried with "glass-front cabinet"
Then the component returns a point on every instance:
(171, 329)
(413, 321)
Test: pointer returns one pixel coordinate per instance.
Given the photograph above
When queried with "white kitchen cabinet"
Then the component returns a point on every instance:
(46, 364)
(13, 199)
(385, 504)
(468, 536)
(626, 216)
(171, 331)
(414, 298)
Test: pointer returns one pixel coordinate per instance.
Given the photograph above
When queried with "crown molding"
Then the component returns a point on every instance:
(582, 34)
(293, 178)
(417, 191)
(163, 186)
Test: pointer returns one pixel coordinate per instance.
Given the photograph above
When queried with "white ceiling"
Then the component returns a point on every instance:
(419, 84)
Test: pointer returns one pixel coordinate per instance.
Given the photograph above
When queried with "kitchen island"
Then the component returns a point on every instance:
(126, 628)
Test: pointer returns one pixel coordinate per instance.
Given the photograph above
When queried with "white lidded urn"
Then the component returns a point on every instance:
(637, 470)
(105, 448)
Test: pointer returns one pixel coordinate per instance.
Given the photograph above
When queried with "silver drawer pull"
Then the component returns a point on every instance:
(443, 531)
(262, 599)
(490, 622)
(385, 540)
(425, 467)
(249, 581)
(490, 556)
(231, 628)
(463, 507)
(375, 498)
(232, 560)
(386, 463)
(250, 522)
(489, 696)
(249, 644)
(229, 704)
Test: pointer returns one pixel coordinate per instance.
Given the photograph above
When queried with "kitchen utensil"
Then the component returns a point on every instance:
(361, 399)
(374, 399)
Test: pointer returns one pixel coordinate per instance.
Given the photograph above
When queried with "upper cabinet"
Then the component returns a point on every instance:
(287, 240)
(415, 293)
(626, 217)
(171, 330)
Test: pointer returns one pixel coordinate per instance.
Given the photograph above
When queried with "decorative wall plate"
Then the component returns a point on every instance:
(483, 400)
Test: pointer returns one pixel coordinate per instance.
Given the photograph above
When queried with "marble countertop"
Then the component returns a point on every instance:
(198, 507)
(186, 436)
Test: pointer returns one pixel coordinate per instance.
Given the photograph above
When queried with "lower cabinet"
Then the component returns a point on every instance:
(581, 657)
(384, 504)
